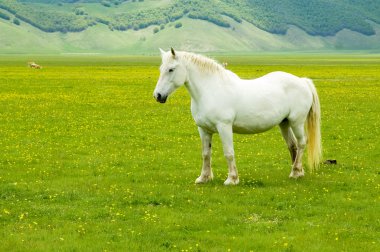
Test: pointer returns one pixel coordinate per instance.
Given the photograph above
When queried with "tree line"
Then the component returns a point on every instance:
(316, 17)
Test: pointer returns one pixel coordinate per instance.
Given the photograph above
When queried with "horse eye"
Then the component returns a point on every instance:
(171, 70)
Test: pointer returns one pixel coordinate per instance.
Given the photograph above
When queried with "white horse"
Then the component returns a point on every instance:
(223, 103)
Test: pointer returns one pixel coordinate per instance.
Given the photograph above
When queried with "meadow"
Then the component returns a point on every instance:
(89, 161)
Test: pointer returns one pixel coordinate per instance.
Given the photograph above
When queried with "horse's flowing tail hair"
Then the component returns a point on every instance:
(313, 126)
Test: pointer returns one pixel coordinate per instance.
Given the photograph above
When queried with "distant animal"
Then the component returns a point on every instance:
(223, 103)
(34, 65)
(225, 64)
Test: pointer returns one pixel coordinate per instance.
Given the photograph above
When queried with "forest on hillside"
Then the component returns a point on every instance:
(316, 17)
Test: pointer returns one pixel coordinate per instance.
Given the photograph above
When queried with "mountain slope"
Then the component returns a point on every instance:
(208, 25)
(316, 17)
(242, 38)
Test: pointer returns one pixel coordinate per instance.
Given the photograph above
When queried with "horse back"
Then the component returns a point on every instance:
(262, 103)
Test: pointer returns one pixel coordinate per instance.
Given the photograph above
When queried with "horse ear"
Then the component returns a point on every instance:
(162, 51)
(173, 52)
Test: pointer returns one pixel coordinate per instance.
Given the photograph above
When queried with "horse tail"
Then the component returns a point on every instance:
(313, 126)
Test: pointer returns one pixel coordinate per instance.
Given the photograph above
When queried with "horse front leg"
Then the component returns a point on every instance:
(226, 135)
(206, 174)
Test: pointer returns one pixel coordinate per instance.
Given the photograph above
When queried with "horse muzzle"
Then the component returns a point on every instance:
(160, 98)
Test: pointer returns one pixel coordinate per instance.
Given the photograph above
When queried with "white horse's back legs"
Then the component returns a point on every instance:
(299, 133)
(226, 135)
(289, 138)
(206, 174)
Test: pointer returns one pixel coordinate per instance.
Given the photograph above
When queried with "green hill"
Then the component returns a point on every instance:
(216, 25)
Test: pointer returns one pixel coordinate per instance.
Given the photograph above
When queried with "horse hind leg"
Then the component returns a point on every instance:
(299, 133)
(289, 138)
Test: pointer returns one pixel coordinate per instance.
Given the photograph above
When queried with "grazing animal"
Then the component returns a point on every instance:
(223, 103)
(34, 65)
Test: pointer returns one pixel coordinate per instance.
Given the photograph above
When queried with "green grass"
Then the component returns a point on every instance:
(90, 162)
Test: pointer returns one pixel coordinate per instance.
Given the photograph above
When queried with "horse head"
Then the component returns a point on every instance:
(173, 75)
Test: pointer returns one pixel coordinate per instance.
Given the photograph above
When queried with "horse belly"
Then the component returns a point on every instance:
(254, 125)
(260, 114)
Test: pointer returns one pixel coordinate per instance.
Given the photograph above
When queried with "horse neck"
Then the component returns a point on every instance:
(199, 81)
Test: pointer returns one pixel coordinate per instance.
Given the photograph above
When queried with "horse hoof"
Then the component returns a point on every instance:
(200, 180)
(231, 181)
(297, 174)
(203, 179)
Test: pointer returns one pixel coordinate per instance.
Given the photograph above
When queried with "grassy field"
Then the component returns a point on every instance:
(90, 162)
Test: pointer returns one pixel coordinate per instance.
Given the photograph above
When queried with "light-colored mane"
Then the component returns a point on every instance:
(205, 64)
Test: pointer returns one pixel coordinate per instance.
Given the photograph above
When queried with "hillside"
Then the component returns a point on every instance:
(220, 25)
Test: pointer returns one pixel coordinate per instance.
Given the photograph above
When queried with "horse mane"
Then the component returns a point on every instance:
(204, 63)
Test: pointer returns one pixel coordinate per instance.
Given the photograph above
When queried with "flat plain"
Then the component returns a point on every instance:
(89, 161)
